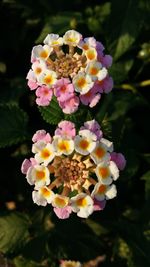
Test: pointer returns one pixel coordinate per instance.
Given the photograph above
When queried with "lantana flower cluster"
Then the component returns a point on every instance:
(73, 172)
(71, 68)
(92, 263)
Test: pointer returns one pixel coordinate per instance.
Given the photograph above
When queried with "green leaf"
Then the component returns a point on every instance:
(119, 70)
(79, 117)
(122, 102)
(133, 235)
(35, 248)
(13, 232)
(97, 16)
(146, 178)
(53, 113)
(11, 93)
(59, 24)
(21, 262)
(132, 165)
(13, 121)
(102, 108)
(126, 21)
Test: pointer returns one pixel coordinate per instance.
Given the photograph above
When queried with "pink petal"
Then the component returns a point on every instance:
(42, 101)
(64, 90)
(94, 127)
(41, 135)
(119, 159)
(63, 213)
(70, 106)
(32, 85)
(107, 61)
(26, 164)
(44, 92)
(99, 205)
(95, 100)
(66, 128)
(108, 84)
(92, 97)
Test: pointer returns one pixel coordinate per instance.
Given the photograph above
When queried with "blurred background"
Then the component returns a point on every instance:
(31, 236)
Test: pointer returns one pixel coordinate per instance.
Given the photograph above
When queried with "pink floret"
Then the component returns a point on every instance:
(44, 95)
(26, 164)
(32, 82)
(70, 106)
(119, 159)
(91, 98)
(99, 205)
(63, 89)
(66, 128)
(63, 213)
(94, 127)
(41, 135)
(104, 86)
(32, 85)
(106, 61)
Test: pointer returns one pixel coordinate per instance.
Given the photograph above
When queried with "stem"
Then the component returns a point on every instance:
(71, 50)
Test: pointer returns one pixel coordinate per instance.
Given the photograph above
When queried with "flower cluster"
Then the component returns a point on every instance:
(73, 172)
(69, 263)
(92, 263)
(71, 68)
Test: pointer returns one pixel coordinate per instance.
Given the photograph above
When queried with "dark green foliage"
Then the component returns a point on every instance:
(13, 121)
(13, 232)
(53, 113)
(31, 236)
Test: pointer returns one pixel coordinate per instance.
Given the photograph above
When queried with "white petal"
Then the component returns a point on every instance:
(38, 199)
(114, 170)
(72, 37)
(88, 134)
(45, 155)
(111, 192)
(82, 83)
(63, 146)
(102, 74)
(30, 177)
(53, 40)
(38, 146)
(85, 212)
(47, 194)
(100, 154)
(83, 145)
(103, 173)
(60, 201)
(108, 144)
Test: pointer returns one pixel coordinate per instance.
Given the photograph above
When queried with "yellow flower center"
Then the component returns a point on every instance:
(81, 202)
(55, 42)
(71, 40)
(38, 70)
(100, 152)
(64, 145)
(104, 172)
(45, 192)
(90, 55)
(43, 54)
(48, 79)
(45, 153)
(94, 71)
(60, 202)
(85, 47)
(40, 175)
(81, 82)
(102, 189)
(84, 144)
